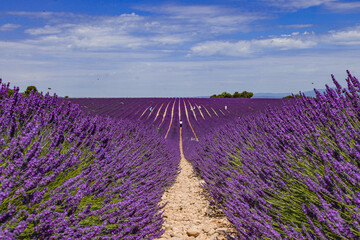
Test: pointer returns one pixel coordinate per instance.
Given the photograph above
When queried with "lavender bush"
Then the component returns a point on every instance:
(289, 173)
(66, 175)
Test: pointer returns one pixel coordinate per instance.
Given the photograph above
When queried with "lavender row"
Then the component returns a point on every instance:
(289, 173)
(66, 175)
(204, 114)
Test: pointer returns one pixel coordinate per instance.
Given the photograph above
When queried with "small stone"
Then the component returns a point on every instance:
(198, 206)
(172, 234)
(193, 231)
(206, 229)
(221, 230)
(214, 221)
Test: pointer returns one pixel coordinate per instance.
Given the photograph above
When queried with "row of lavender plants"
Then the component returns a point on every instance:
(67, 175)
(203, 114)
(291, 172)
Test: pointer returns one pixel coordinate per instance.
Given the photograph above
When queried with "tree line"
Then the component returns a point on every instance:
(243, 94)
(27, 92)
(292, 96)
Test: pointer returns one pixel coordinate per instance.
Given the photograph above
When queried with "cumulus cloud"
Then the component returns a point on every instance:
(294, 5)
(343, 6)
(205, 19)
(48, 29)
(133, 49)
(297, 26)
(349, 36)
(171, 27)
(43, 14)
(105, 33)
(275, 73)
(344, 37)
(9, 27)
(225, 48)
(246, 47)
(333, 5)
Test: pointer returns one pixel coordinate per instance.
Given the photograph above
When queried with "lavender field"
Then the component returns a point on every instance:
(87, 168)
(198, 115)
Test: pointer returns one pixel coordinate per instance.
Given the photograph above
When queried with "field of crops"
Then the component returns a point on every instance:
(292, 173)
(67, 175)
(163, 114)
(97, 168)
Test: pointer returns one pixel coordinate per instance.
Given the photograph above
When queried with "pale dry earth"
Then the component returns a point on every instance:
(188, 215)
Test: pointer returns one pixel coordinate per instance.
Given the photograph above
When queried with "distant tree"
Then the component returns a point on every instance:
(292, 96)
(226, 95)
(237, 95)
(244, 94)
(29, 89)
(66, 96)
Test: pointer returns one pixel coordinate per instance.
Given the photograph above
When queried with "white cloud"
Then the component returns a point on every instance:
(334, 5)
(47, 29)
(283, 43)
(246, 47)
(185, 11)
(137, 55)
(295, 40)
(172, 26)
(297, 26)
(297, 4)
(211, 48)
(344, 37)
(343, 6)
(205, 19)
(126, 31)
(9, 27)
(121, 78)
(42, 14)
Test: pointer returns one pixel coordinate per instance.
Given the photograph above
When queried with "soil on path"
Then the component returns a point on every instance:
(188, 215)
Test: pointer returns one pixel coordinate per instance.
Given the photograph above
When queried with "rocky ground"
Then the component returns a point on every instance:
(188, 215)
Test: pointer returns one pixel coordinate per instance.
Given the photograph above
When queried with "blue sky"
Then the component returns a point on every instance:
(93, 48)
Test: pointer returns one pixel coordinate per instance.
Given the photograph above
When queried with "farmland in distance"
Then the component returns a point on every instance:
(198, 115)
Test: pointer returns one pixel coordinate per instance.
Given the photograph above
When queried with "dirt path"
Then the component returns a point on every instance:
(207, 111)
(193, 110)
(157, 114)
(143, 112)
(187, 116)
(187, 213)
(214, 112)
(200, 111)
(172, 115)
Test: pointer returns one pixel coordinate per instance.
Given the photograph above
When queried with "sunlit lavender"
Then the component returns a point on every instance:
(97, 168)
(289, 173)
(67, 175)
